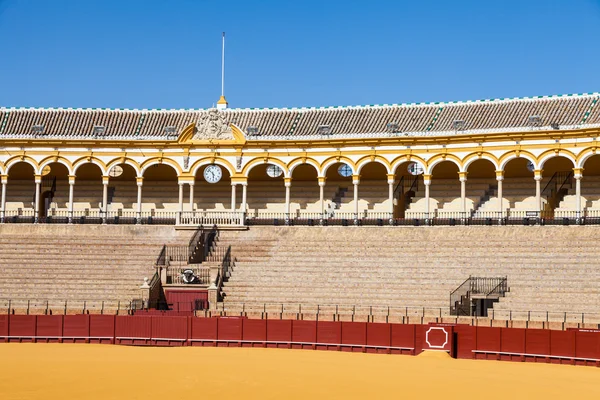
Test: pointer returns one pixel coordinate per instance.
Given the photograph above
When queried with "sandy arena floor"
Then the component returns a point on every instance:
(63, 371)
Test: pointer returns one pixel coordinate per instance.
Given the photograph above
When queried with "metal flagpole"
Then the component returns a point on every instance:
(223, 67)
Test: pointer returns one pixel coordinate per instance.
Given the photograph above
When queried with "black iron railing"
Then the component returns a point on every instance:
(460, 298)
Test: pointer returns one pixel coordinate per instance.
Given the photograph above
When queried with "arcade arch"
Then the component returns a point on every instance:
(266, 193)
(212, 196)
(160, 188)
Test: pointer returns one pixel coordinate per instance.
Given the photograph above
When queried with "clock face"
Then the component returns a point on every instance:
(345, 170)
(213, 173)
(274, 171)
(415, 168)
(116, 171)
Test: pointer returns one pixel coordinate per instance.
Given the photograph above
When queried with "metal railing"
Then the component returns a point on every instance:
(339, 311)
(300, 218)
(195, 252)
(460, 298)
(225, 269)
(220, 218)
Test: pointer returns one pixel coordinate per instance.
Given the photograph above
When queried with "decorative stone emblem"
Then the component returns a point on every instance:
(212, 125)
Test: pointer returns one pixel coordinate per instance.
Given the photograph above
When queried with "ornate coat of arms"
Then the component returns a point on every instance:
(212, 125)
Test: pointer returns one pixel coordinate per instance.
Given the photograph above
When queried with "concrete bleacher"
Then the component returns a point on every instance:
(549, 269)
(590, 196)
(79, 263)
(518, 195)
(444, 197)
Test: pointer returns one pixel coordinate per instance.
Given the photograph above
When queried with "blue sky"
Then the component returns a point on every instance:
(166, 54)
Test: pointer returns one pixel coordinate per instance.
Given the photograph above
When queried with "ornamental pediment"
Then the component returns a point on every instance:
(212, 126)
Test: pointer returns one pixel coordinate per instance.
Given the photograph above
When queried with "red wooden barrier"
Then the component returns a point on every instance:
(22, 328)
(254, 332)
(329, 335)
(279, 333)
(537, 345)
(304, 334)
(354, 336)
(378, 337)
(4, 328)
(587, 345)
(49, 328)
(465, 341)
(403, 339)
(133, 330)
(169, 331)
(204, 331)
(572, 346)
(512, 343)
(230, 331)
(488, 339)
(102, 329)
(76, 328)
(562, 344)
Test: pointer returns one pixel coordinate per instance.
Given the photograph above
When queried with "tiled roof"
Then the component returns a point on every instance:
(426, 119)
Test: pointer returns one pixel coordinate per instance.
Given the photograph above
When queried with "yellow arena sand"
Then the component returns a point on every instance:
(70, 371)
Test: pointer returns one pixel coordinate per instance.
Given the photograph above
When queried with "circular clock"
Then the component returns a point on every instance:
(274, 171)
(530, 166)
(213, 173)
(116, 171)
(415, 168)
(345, 170)
(46, 170)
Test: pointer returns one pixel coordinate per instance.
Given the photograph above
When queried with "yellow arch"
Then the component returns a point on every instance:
(56, 159)
(89, 160)
(124, 160)
(17, 159)
(585, 155)
(334, 160)
(303, 160)
(212, 160)
(439, 158)
(157, 161)
(2, 168)
(471, 158)
(396, 162)
(511, 155)
(548, 154)
(261, 160)
(377, 159)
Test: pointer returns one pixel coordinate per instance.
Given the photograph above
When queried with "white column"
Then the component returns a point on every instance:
(500, 179)
(427, 182)
(104, 197)
(578, 174)
(288, 184)
(71, 191)
(244, 206)
(191, 196)
(181, 197)
(140, 183)
(538, 189)
(391, 179)
(355, 182)
(322, 180)
(4, 179)
(462, 176)
(38, 183)
(233, 185)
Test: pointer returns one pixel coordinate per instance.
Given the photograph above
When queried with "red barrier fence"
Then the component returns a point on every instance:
(462, 341)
